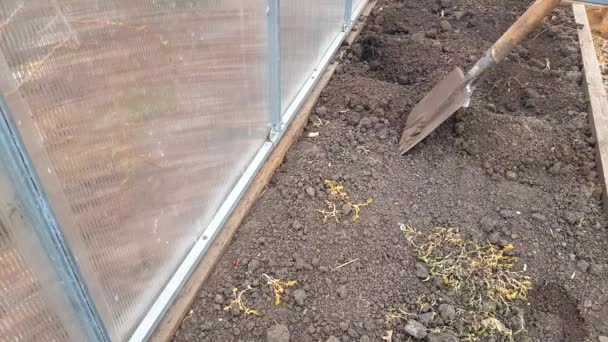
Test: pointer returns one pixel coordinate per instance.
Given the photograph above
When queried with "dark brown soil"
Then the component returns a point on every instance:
(518, 165)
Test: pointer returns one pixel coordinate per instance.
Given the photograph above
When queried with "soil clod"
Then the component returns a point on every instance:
(342, 292)
(421, 271)
(278, 333)
(415, 329)
(447, 312)
(445, 337)
(299, 296)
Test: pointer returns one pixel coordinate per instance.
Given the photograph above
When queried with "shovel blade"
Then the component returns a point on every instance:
(437, 106)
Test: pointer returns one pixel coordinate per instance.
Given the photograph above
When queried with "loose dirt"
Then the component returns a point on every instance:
(517, 167)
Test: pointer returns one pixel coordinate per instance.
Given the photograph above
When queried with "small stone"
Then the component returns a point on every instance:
(582, 265)
(310, 191)
(415, 329)
(587, 303)
(315, 261)
(575, 76)
(218, 299)
(539, 217)
(342, 292)
(447, 312)
(365, 338)
(300, 296)
(603, 339)
(332, 339)
(421, 271)
(444, 337)
(445, 25)
(278, 333)
(458, 15)
(426, 318)
(511, 175)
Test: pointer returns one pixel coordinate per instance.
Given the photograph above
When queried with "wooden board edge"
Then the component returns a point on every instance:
(180, 307)
(596, 93)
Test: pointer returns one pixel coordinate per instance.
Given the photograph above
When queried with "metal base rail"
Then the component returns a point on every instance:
(179, 278)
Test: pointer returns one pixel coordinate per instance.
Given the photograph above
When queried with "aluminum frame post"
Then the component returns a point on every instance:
(274, 66)
(348, 15)
(23, 175)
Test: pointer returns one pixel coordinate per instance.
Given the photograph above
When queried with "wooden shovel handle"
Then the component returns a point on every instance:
(522, 27)
(516, 33)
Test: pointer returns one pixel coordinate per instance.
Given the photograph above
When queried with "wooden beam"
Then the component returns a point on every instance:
(174, 317)
(598, 104)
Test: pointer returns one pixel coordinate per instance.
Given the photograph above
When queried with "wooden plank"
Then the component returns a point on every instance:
(598, 104)
(172, 320)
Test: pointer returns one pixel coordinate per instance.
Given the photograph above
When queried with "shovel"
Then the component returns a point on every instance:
(455, 90)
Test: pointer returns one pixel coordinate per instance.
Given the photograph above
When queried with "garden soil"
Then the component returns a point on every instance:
(517, 167)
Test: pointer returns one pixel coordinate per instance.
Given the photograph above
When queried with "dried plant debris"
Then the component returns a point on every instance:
(279, 286)
(237, 304)
(339, 197)
(484, 284)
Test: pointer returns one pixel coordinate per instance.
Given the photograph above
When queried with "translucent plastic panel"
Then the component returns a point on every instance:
(139, 116)
(357, 3)
(32, 305)
(307, 30)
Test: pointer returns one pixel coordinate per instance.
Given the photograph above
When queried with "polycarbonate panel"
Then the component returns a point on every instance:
(356, 4)
(139, 116)
(307, 30)
(33, 306)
